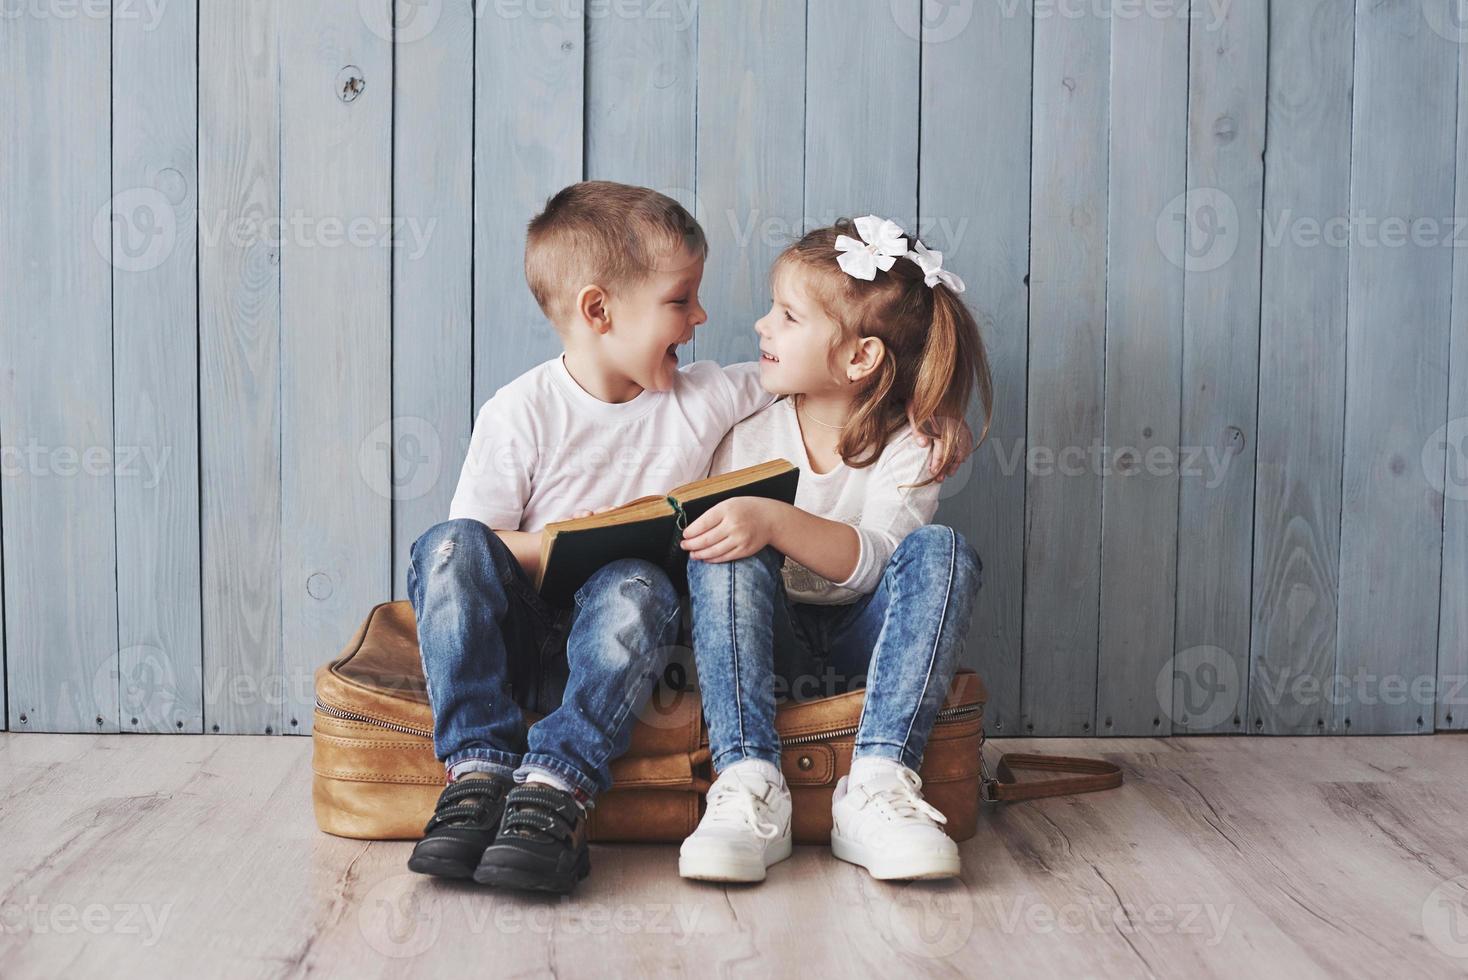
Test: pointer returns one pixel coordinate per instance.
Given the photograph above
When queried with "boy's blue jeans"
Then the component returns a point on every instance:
(904, 639)
(491, 646)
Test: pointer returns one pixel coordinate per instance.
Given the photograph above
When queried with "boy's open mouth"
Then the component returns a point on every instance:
(767, 356)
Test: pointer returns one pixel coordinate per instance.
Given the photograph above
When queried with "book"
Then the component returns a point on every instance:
(649, 527)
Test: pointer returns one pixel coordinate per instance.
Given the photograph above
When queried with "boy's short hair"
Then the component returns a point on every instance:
(606, 233)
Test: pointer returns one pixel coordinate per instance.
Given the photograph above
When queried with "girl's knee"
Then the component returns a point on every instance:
(939, 546)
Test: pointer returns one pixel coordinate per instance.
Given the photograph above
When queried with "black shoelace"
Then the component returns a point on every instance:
(466, 802)
(540, 813)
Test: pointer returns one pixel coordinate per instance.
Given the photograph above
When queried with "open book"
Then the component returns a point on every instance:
(649, 527)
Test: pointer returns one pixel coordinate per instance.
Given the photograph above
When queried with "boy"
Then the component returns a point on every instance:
(616, 269)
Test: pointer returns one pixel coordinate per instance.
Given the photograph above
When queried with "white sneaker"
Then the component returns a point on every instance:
(745, 829)
(882, 823)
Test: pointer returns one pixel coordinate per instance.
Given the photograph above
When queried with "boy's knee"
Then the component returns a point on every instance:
(461, 538)
(633, 579)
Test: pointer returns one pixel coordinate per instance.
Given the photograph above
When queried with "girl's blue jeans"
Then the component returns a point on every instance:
(491, 646)
(903, 640)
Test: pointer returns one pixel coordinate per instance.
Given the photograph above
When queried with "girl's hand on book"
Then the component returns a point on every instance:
(735, 528)
(941, 431)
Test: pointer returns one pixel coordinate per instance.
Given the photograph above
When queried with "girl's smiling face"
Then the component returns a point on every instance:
(800, 344)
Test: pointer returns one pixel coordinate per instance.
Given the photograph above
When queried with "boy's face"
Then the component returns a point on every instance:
(651, 319)
(795, 341)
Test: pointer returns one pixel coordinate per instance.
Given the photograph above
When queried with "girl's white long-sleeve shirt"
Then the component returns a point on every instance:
(876, 499)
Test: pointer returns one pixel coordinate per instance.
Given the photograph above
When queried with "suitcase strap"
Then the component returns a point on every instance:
(1079, 776)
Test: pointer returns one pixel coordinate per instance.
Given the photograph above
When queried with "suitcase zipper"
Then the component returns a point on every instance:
(327, 709)
(946, 714)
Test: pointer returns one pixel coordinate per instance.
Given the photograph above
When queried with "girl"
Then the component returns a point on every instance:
(865, 339)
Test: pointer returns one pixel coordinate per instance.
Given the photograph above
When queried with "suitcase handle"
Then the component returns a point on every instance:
(1080, 776)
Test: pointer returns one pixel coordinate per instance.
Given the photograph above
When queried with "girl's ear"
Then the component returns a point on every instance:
(591, 308)
(865, 359)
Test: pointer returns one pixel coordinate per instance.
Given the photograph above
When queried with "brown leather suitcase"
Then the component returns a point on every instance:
(375, 775)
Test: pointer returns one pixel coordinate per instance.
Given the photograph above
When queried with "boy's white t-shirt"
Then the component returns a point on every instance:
(544, 448)
(871, 498)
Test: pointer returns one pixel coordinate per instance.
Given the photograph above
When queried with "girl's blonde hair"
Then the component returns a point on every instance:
(934, 359)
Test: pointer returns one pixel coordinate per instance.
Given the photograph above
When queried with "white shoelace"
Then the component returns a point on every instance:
(730, 801)
(903, 801)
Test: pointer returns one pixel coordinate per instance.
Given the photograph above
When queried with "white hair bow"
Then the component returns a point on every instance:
(882, 244)
(932, 265)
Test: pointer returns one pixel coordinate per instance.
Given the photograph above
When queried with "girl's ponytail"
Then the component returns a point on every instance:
(952, 363)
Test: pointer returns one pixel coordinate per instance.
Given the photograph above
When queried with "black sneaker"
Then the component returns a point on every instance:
(541, 844)
(463, 824)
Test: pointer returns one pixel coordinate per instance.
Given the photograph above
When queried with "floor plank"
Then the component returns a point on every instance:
(128, 854)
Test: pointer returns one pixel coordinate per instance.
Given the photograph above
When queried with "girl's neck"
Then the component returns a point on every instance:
(822, 419)
(829, 411)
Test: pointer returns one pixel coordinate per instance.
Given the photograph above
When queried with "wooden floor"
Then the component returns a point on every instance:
(160, 855)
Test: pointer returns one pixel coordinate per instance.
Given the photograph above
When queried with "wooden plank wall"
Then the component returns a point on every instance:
(262, 263)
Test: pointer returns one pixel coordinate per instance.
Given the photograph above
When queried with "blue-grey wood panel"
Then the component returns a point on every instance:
(751, 93)
(1452, 637)
(155, 370)
(1068, 209)
(974, 207)
(1144, 302)
(432, 294)
(336, 367)
(239, 362)
(862, 91)
(528, 97)
(1302, 370)
(56, 416)
(1403, 157)
(1220, 367)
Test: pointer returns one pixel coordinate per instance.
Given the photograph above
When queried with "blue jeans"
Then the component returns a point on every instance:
(901, 641)
(491, 646)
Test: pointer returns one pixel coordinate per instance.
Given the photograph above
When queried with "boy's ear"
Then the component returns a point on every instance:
(866, 358)
(591, 308)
